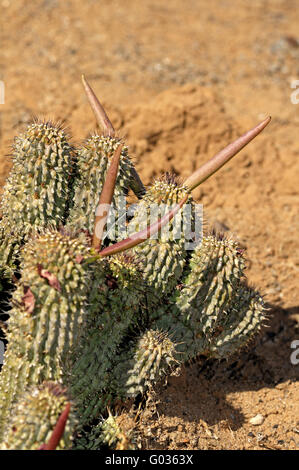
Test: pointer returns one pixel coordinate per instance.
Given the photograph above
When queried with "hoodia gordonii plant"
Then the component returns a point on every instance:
(94, 322)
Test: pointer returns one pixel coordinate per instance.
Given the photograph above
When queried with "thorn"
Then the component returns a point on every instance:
(58, 430)
(99, 112)
(216, 162)
(143, 235)
(105, 200)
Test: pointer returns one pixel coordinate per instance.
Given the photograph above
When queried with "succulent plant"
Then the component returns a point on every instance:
(95, 320)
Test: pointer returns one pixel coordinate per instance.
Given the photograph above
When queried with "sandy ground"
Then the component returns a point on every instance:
(179, 80)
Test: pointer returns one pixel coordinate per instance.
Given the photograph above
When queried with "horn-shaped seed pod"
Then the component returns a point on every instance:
(162, 261)
(107, 130)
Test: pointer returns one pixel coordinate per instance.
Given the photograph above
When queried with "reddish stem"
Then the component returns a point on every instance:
(106, 199)
(99, 111)
(222, 157)
(58, 430)
(143, 235)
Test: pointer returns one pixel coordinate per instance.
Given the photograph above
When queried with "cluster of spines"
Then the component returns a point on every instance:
(35, 416)
(150, 358)
(201, 314)
(111, 433)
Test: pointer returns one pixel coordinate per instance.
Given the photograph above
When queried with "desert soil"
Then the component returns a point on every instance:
(180, 80)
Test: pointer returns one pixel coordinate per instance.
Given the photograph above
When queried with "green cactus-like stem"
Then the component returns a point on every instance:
(213, 313)
(243, 321)
(107, 328)
(36, 192)
(48, 308)
(163, 256)
(144, 363)
(116, 311)
(93, 162)
(216, 269)
(34, 417)
(238, 324)
(10, 244)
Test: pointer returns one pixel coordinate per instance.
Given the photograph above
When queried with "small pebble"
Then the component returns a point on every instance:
(257, 420)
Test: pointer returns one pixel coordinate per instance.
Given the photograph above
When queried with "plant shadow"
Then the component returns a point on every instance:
(200, 392)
